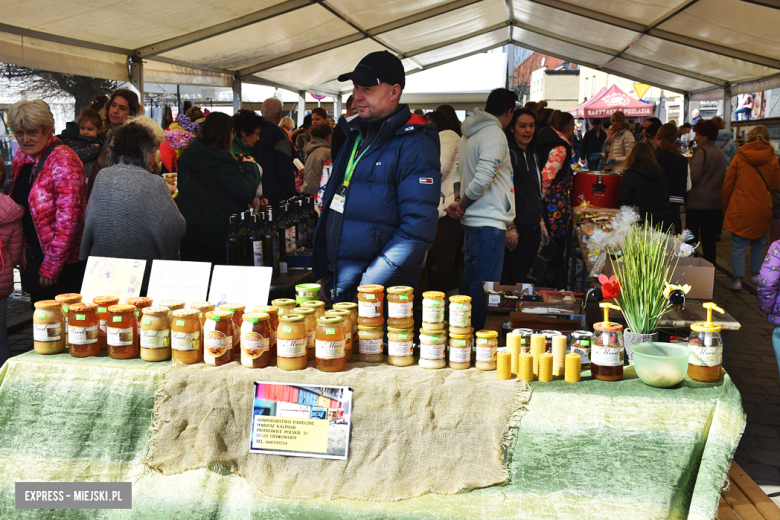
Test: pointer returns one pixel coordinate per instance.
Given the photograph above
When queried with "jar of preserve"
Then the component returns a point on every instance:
(83, 330)
(433, 344)
(399, 307)
(317, 305)
(103, 303)
(487, 348)
(218, 338)
(285, 305)
(525, 339)
(48, 327)
(186, 336)
(370, 310)
(255, 340)
(400, 345)
(345, 315)
(353, 308)
(706, 344)
(433, 310)
(238, 312)
(548, 336)
(305, 292)
(330, 341)
(311, 326)
(460, 314)
(140, 303)
(273, 321)
(581, 341)
(204, 308)
(66, 300)
(122, 332)
(155, 338)
(370, 344)
(173, 305)
(460, 351)
(606, 355)
(291, 342)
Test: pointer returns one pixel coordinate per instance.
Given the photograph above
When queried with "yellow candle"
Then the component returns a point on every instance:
(545, 367)
(559, 354)
(537, 348)
(504, 365)
(526, 367)
(513, 347)
(573, 367)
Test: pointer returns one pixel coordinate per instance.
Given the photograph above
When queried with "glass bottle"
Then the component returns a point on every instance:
(460, 314)
(281, 231)
(243, 232)
(606, 362)
(302, 233)
(329, 344)
(295, 220)
(400, 344)
(370, 308)
(83, 330)
(234, 243)
(155, 338)
(103, 303)
(122, 332)
(353, 308)
(370, 344)
(254, 244)
(312, 217)
(460, 351)
(487, 345)
(48, 327)
(291, 246)
(433, 345)
(433, 310)
(270, 244)
(291, 343)
(706, 345)
(186, 329)
(255, 340)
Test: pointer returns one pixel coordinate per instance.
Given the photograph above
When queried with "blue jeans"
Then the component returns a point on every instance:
(776, 344)
(482, 262)
(743, 111)
(738, 248)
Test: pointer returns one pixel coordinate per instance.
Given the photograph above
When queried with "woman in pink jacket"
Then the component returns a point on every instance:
(10, 255)
(49, 184)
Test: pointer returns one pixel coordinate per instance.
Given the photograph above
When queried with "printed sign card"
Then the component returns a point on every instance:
(240, 284)
(120, 277)
(188, 281)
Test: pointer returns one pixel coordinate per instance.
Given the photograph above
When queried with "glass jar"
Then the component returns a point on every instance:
(305, 292)
(238, 312)
(273, 321)
(186, 336)
(606, 354)
(548, 336)
(48, 327)
(399, 307)
(460, 351)
(525, 339)
(330, 341)
(317, 305)
(581, 341)
(140, 303)
(432, 347)
(487, 348)
(311, 326)
(103, 303)
(400, 345)
(370, 344)
(255, 340)
(433, 310)
(353, 308)
(285, 305)
(66, 300)
(345, 315)
(706, 359)
(83, 330)
(155, 338)
(218, 338)
(460, 314)
(291, 342)
(122, 332)
(204, 308)
(370, 309)
(173, 305)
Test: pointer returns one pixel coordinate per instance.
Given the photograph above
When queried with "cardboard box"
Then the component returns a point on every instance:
(696, 272)
(496, 299)
(521, 320)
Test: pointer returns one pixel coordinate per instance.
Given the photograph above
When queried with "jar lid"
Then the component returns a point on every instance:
(607, 326)
(304, 311)
(254, 317)
(139, 300)
(460, 336)
(219, 315)
(202, 306)
(186, 313)
(581, 334)
(282, 302)
(314, 304)
(105, 300)
(330, 320)
(490, 334)
(433, 295)
(428, 332)
(703, 326)
(268, 309)
(370, 329)
(551, 333)
(233, 307)
(371, 288)
(345, 305)
(460, 298)
(121, 308)
(400, 331)
(308, 288)
(523, 332)
(160, 309)
(171, 303)
(292, 318)
(400, 289)
(83, 307)
(338, 312)
(68, 298)
(48, 304)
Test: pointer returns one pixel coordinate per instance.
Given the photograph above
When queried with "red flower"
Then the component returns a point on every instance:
(610, 287)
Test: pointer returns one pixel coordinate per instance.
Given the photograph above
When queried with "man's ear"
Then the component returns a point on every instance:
(395, 92)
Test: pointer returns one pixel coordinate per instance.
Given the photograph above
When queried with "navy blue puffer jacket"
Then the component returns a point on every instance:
(391, 210)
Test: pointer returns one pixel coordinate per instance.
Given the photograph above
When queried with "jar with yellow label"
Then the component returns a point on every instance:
(173, 305)
(311, 326)
(122, 332)
(370, 309)
(400, 345)
(204, 308)
(255, 340)
(370, 344)
(353, 308)
(487, 347)
(317, 305)
(460, 350)
(218, 338)
(238, 312)
(273, 321)
(433, 344)
(83, 330)
(155, 338)
(460, 314)
(329, 344)
(706, 346)
(291, 343)
(433, 310)
(186, 332)
(66, 300)
(285, 305)
(48, 327)
(103, 303)
(345, 315)
(399, 307)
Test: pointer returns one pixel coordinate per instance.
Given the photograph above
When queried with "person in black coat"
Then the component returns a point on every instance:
(644, 186)
(592, 144)
(676, 168)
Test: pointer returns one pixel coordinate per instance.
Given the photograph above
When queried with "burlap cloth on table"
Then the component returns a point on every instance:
(414, 431)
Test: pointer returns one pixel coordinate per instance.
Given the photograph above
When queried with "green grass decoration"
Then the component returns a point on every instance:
(642, 272)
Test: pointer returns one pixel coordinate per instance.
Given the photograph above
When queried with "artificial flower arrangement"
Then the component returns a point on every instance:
(181, 133)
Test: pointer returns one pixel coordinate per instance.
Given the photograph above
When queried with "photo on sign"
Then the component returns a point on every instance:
(301, 420)
(120, 277)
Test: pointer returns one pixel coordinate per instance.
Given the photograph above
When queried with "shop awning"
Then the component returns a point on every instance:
(680, 45)
(609, 101)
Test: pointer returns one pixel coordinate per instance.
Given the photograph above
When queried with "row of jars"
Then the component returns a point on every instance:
(400, 301)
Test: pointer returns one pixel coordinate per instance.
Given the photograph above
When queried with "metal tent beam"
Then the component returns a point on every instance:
(29, 33)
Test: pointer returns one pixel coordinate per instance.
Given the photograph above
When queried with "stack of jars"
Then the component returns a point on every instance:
(400, 326)
(461, 341)
(371, 321)
(433, 336)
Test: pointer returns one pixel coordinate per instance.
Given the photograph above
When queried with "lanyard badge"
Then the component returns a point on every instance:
(340, 199)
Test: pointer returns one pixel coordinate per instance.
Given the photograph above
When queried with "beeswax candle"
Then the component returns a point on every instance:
(559, 354)
(573, 365)
(545, 367)
(537, 348)
(504, 365)
(526, 371)
(513, 347)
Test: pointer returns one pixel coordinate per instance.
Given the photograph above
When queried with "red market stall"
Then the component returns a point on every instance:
(609, 101)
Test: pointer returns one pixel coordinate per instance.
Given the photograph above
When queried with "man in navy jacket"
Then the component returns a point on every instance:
(380, 208)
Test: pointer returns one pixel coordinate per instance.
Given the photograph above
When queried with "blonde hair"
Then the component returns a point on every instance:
(620, 116)
(152, 125)
(29, 114)
(287, 122)
(719, 121)
(759, 133)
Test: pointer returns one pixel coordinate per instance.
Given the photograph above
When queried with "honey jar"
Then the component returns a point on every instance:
(433, 345)
(310, 316)
(255, 340)
(317, 305)
(103, 303)
(606, 361)
(83, 330)
(345, 315)
(460, 314)
(48, 327)
(238, 312)
(433, 310)
(400, 345)
(399, 307)
(330, 340)
(581, 341)
(370, 344)
(291, 342)
(155, 338)
(353, 308)
(460, 350)
(487, 348)
(172, 304)
(218, 338)
(285, 305)
(186, 329)
(66, 300)
(122, 332)
(706, 344)
(273, 321)
(370, 309)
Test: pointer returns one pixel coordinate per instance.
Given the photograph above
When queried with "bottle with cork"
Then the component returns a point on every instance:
(706, 346)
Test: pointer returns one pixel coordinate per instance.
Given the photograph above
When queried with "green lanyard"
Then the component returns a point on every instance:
(353, 162)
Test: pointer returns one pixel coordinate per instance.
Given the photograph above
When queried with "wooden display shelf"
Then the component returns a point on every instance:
(745, 500)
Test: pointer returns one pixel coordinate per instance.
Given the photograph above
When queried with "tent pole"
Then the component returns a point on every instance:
(727, 106)
(337, 107)
(686, 107)
(236, 94)
(137, 75)
(301, 106)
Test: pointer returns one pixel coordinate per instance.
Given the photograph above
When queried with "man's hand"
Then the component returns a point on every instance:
(511, 239)
(545, 235)
(325, 288)
(246, 158)
(454, 210)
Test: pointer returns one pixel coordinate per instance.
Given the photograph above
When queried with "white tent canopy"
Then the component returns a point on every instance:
(689, 46)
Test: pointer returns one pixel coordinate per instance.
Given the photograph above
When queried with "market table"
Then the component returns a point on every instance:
(588, 450)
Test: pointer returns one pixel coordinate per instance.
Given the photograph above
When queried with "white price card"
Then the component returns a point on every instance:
(174, 280)
(240, 284)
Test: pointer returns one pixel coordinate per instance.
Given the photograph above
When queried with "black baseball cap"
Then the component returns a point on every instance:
(376, 68)
(653, 129)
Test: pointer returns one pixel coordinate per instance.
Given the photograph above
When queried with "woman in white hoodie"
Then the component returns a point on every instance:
(443, 264)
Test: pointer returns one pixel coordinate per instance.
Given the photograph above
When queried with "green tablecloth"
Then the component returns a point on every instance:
(588, 450)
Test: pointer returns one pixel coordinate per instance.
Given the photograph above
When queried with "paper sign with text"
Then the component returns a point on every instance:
(240, 284)
(120, 277)
(173, 280)
(301, 420)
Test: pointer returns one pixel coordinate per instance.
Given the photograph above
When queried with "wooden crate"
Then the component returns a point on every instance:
(745, 500)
